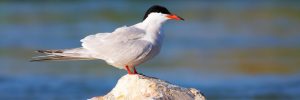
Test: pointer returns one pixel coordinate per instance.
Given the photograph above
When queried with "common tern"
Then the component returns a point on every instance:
(125, 48)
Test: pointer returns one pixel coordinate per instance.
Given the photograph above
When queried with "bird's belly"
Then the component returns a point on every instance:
(149, 56)
(127, 59)
(154, 51)
(135, 53)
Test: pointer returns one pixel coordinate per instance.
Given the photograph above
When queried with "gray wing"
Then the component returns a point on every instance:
(123, 42)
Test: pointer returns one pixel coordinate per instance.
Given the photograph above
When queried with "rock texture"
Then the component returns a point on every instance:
(140, 87)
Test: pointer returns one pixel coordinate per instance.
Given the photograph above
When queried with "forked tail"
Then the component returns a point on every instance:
(60, 55)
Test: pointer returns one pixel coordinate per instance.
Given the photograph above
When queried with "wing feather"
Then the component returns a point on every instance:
(111, 44)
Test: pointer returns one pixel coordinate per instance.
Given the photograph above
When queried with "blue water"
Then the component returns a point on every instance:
(83, 87)
(227, 50)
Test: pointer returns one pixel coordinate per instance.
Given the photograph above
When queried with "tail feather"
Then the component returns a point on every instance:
(61, 55)
(49, 51)
(56, 58)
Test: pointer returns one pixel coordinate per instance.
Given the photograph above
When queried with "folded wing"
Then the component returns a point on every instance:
(122, 44)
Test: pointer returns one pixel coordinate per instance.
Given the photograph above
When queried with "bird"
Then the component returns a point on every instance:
(125, 48)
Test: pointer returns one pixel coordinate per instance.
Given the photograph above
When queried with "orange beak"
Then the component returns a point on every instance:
(173, 16)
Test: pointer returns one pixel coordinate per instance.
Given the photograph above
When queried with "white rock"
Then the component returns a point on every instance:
(140, 87)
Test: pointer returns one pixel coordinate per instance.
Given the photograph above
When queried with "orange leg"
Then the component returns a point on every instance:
(135, 72)
(128, 70)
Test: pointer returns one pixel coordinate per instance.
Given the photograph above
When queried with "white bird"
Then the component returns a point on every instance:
(125, 47)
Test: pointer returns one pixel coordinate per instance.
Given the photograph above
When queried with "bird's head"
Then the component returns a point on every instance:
(161, 13)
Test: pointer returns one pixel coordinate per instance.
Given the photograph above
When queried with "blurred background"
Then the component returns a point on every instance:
(228, 50)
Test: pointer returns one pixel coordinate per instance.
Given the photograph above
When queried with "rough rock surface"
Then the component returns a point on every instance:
(140, 87)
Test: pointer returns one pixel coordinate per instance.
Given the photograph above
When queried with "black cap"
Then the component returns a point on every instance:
(158, 9)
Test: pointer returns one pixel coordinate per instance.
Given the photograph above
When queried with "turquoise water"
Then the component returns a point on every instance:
(228, 50)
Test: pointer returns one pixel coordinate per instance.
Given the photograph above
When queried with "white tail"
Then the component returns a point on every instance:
(67, 54)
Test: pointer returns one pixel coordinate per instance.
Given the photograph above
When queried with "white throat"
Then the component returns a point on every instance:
(152, 25)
